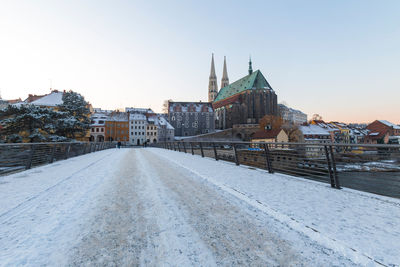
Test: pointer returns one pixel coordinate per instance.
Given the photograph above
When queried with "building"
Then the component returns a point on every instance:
(117, 127)
(191, 118)
(245, 101)
(291, 115)
(137, 127)
(381, 131)
(165, 130)
(384, 126)
(270, 136)
(51, 100)
(158, 129)
(315, 135)
(98, 125)
(139, 110)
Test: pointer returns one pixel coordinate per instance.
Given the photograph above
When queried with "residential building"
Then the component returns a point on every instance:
(315, 135)
(191, 118)
(291, 115)
(98, 125)
(117, 127)
(137, 128)
(270, 136)
(381, 131)
(151, 131)
(51, 100)
(164, 131)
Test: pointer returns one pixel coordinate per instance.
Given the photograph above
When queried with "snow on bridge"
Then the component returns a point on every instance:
(158, 207)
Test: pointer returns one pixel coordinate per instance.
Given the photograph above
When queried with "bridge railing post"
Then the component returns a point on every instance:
(328, 162)
(236, 154)
(191, 147)
(268, 159)
(30, 157)
(335, 175)
(184, 146)
(215, 151)
(67, 150)
(53, 151)
(201, 149)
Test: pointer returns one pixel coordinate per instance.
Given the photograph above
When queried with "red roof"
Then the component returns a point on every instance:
(266, 134)
(226, 101)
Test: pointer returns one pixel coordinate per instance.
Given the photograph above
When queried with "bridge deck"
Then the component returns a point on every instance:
(158, 207)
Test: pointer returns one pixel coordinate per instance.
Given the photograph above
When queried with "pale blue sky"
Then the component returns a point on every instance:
(339, 59)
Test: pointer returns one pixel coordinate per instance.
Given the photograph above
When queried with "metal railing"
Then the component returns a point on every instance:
(17, 157)
(365, 167)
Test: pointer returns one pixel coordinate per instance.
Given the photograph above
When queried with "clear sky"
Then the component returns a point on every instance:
(338, 58)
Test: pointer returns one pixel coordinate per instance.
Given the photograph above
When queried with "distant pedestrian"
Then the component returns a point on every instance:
(119, 144)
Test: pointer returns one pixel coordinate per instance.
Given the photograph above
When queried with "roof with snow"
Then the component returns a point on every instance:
(313, 130)
(159, 120)
(190, 107)
(137, 116)
(51, 100)
(139, 110)
(118, 116)
(388, 123)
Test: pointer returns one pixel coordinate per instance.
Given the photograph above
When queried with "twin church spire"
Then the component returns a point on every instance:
(212, 84)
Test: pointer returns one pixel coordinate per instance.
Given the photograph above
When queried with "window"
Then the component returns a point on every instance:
(102, 129)
(97, 130)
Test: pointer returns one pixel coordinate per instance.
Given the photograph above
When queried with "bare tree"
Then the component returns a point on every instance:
(165, 105)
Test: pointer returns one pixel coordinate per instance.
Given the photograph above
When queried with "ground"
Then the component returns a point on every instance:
(154, 207)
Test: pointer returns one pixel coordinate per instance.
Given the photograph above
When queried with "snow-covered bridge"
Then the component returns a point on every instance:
(152, 207)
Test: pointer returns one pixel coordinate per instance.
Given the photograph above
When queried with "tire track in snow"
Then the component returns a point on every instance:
(136, 223)
(232, 235)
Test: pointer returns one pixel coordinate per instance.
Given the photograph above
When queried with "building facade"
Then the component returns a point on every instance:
(137, 126)
(317, 135)
(117, 127)
(191, 118)
(98, 125)
(291, 115)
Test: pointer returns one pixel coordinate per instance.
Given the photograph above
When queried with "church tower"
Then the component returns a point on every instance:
(225, 79)
(212, 85)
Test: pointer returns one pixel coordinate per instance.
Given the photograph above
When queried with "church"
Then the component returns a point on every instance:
(244, 101)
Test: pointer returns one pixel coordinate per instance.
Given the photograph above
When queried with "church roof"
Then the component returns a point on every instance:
(256, 80)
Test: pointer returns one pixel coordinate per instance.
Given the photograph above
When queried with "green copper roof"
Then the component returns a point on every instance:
(253, 81)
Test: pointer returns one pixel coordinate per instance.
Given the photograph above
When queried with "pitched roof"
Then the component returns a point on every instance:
(256, 80)
(266, 134)
(51, 100)
(388, 123)
(313, 130)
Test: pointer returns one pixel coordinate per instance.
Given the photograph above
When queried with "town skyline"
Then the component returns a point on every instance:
(334, 59)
